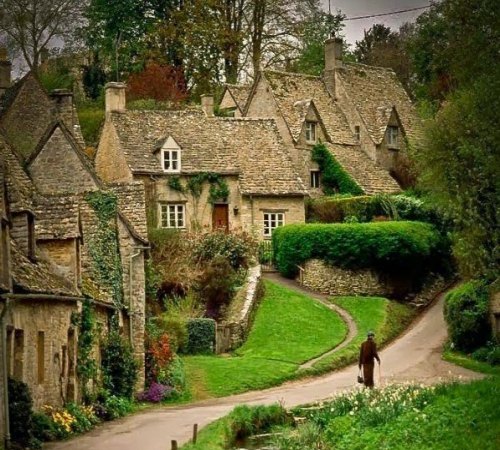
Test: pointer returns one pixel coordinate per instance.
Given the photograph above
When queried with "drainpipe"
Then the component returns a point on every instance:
(5, 375)
(131, 285)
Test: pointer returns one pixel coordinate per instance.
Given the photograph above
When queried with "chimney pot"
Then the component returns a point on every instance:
(207, 104)
(115, 96)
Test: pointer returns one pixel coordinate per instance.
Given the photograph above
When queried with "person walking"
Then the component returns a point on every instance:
(367, 356)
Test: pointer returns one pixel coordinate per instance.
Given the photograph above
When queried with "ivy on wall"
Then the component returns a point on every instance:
(333, 176)
(218, 186)
(103, 245)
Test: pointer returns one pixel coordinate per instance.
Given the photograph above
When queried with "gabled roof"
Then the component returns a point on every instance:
(36, 277)
(292, 89)
(375, 91)
(57, 218)
(239, 93)
(226, 146)
(20, 189)
(372, 178)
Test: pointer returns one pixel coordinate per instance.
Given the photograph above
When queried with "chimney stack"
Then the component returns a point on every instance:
(5, 70)
(63, 104)
(333, 61)
(115, 97)
(207, 104)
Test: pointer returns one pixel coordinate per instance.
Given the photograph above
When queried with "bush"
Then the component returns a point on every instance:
(385, 246)
(158, 356)
(333, 176)
(489, 354)
(176, 376)
(466, 313)
(201, 336)
(119, 368)
(155, 393)
(20, 413)
(114, 407)
(239, 249)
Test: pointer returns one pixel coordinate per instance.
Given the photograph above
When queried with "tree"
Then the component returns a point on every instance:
(161, 83)
(31, 26)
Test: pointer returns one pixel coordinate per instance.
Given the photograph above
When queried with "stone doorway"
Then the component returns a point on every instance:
(220, 217)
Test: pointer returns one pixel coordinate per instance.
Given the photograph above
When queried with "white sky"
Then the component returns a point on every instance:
(353, 30)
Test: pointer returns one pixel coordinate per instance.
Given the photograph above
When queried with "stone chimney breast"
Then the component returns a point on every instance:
(115, 97)
(207, 104)
(63, 104)
(333, 61)
(5, 70)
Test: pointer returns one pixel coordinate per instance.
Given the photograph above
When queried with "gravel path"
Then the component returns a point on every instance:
(415, 356)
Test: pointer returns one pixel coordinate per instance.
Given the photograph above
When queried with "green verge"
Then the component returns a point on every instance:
(289, 328)
(386, 318)
(461, 359)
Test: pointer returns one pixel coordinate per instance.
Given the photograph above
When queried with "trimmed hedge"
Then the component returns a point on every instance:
(466, 313)
(385, 246)
(201, 336)
(333, 176)
(365, 208)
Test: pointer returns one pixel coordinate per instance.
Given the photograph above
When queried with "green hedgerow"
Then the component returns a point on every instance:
(201, 336)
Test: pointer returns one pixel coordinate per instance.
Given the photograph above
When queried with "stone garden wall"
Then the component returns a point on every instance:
(232, 333)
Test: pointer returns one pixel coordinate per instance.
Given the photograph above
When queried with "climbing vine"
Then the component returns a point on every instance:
(218, 186)
(333, 176)
(86, 366)
(103, 245)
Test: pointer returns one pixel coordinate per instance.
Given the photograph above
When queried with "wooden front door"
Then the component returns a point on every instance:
(220, 217)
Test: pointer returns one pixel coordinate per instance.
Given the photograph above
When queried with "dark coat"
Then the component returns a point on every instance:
(368, 352)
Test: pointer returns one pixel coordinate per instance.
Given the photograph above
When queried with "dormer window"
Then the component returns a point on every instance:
(171, 156)
(311, 132)
(393, 136)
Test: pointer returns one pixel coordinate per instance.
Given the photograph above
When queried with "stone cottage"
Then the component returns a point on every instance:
(234, 99)
(361, 113)
(201, 171)
(52, 239)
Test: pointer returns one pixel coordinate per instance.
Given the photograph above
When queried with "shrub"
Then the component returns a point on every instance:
(155, 393)
(239, 249)
(489, 354)
(114, 407)
(385, 246)
(216, 286)
(158, 356)
(44, 428)
(176, 376)
(333, 177)
(20, 413)
(466, 313)
(176, 328)
(201, 336)
(119, 368)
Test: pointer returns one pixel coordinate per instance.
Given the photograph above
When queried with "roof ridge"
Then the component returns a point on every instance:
(370, 67)
(282, 72)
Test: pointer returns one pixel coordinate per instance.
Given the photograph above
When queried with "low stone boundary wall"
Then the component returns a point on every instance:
(321, 277)
(231, 334)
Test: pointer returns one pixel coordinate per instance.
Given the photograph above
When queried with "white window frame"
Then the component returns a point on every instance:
(171, 153)
(172, 215)
(393, 136)
(272, 220)
(315, 181)
(311, 131)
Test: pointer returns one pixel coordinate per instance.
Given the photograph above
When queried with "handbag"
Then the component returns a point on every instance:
(360, 377)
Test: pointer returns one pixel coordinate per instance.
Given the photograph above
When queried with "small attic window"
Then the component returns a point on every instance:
(357, 132)
(171, 156)
(311, 132)
(393, 136)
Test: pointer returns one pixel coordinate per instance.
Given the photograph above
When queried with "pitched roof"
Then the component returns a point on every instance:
(375, 91)
(372, 178)
(132, 205)
(20, 189)
(36, 277)
(292, 90)
(239, 93)
(57, 218)
(215, 144)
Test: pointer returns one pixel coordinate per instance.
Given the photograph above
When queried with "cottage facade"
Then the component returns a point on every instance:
(202, 172)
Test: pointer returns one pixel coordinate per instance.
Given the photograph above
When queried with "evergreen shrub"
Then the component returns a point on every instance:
(393, 247)
(21, 414)
(466, 314)
(201, 336)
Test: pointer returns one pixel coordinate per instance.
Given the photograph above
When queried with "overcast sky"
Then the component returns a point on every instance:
(352, 8)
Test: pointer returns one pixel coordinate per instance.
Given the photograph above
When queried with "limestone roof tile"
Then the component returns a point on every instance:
(57, 218)
(240, 93)
(375, 91)
(36, 277)
(372, 178)
(292, 90)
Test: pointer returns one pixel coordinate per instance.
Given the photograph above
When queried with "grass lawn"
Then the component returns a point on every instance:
(461, 359)
(450, 416)
(289, 328)
(386, 318)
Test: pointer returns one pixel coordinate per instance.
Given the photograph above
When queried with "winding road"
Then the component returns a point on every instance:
(415, 356)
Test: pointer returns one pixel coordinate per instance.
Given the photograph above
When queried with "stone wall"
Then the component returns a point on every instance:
(20, 231)
(58, 169)
(253, 209)
(330, 280)
(63, 253)
(232, 333)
